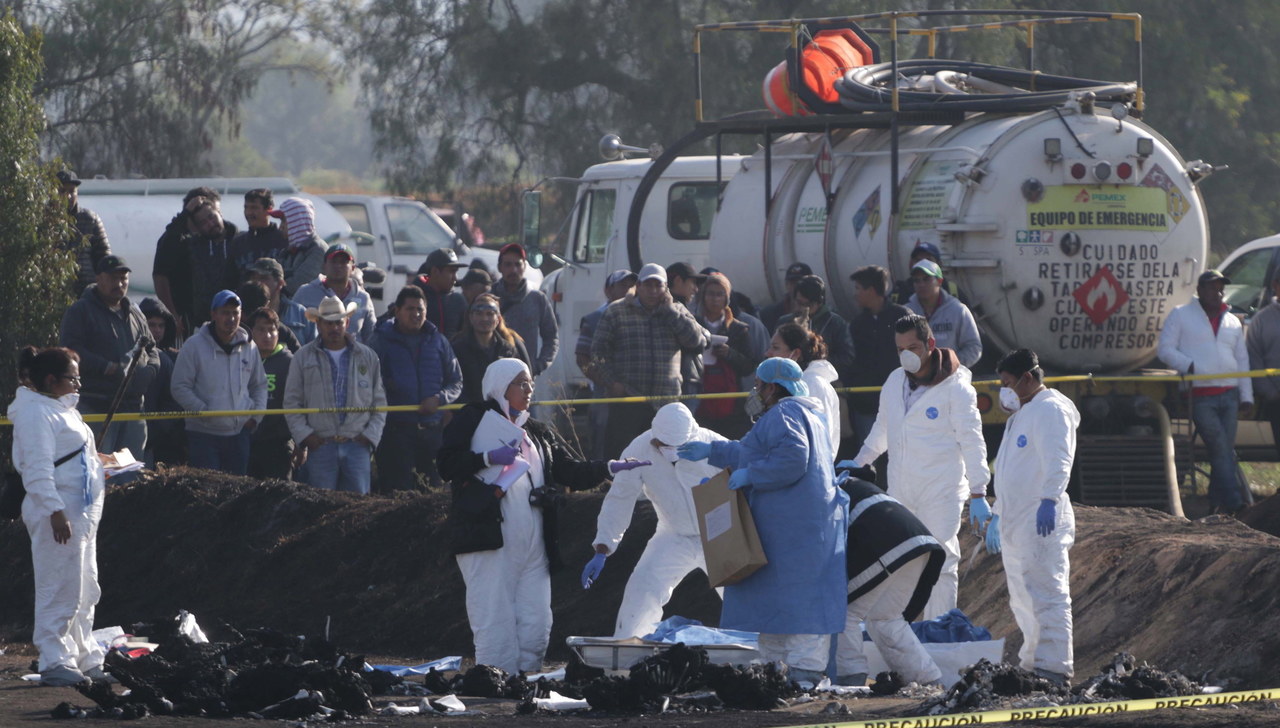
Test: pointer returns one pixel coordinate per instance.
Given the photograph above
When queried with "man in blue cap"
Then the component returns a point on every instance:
(218, 368)
(784, 465)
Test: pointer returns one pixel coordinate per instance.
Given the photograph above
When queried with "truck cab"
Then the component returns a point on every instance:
(397, 233)
(674, 226)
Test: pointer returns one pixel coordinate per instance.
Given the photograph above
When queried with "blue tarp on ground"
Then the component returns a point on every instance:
(692, 632)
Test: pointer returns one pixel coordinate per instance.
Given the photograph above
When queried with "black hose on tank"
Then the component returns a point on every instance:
(869, 88)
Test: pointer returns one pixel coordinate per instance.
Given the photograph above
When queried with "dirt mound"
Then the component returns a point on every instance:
(1198, 597)
(376, 570)
(1263, 515)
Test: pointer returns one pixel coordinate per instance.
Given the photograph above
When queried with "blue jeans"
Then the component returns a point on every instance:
(228, 453)
(1215, 418)
(339, 466)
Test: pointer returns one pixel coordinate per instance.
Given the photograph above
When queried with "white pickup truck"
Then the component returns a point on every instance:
(397, 233)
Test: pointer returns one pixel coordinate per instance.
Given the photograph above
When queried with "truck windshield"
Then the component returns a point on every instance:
(415, 232)
(595, 225)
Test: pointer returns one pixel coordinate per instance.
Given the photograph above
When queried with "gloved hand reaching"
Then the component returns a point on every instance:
(592, 570)
(1046, 517)
(617, 466)
(504, 455)
(740, 478)
(694, 451)
(979, 511)
(993, 535)
(861, 472)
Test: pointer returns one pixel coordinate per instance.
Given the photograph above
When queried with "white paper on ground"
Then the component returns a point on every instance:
(393, 709)
(556, 701)
(33, 677)
(553, 675)
(447, 704)
(187, 625)
(109, 637)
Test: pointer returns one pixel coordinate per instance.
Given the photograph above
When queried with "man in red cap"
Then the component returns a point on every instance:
(339, 282)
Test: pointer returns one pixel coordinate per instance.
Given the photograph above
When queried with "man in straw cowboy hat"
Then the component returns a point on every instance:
(335, 370)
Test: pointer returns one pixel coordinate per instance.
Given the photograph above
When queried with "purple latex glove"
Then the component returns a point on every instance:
(617, 466)
(504, 455)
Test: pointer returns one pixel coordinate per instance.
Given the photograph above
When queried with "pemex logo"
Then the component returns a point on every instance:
(1083, 196)
(1101, 296)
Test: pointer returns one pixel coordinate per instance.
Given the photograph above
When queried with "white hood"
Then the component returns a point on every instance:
(822, 369)
(498, 377)
(674, 424)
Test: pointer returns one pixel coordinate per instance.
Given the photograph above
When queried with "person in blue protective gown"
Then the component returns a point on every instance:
(784, 465)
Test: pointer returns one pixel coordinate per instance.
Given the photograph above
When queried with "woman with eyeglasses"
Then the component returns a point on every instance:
(484, 339)
(503, 518)
(57, 457)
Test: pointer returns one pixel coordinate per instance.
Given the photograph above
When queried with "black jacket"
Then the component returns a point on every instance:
(475, 518)
(103, 337)
(90, 244)
(875, 354)
(883, 537)
(834, 330)
(474, 360)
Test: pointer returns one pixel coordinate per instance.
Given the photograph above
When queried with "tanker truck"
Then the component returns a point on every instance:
(1072, 226)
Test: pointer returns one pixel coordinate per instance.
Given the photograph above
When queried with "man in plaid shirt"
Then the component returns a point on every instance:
(636, 351)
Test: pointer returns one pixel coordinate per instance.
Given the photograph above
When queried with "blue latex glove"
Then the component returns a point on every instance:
(504, 455)
(617, 466)
(1046, 517)
(592, 570)
(993, 535)
(740, 478)
(694, 451)
(979, 511)
(847, 465)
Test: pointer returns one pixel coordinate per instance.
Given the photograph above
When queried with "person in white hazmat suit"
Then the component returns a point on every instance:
(1034, 525)
(929, 424)
(503, 529)
(55, 452)
(675, 548)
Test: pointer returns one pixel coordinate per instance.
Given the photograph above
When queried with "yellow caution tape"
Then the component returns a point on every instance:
(1059, 711)
(983, 383)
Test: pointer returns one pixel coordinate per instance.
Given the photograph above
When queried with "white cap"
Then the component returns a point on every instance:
(653, 270)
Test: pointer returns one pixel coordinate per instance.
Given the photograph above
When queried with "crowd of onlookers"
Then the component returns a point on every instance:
(272, 317)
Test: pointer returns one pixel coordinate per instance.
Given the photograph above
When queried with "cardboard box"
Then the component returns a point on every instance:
(730, 542)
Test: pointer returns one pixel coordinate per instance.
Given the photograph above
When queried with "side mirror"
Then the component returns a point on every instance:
(530, 226)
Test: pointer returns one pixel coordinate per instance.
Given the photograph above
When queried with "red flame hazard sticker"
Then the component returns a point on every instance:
(1101, 296)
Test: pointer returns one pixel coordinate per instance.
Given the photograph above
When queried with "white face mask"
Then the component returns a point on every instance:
(909, 360)
(1009, 400)
(755, 405)
(70, 399)
(669, 453)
